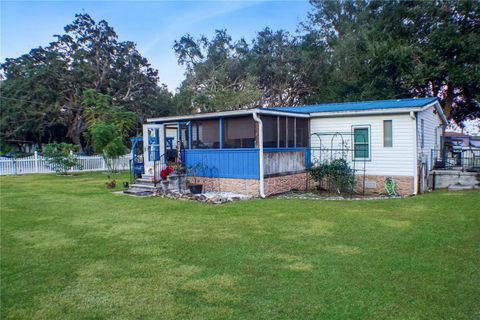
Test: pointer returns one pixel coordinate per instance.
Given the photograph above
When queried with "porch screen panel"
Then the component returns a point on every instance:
(238, 132)
(269, 132)
(282, 132)
(205, 134)
(291, 132)
(302, 133)
(184, 136)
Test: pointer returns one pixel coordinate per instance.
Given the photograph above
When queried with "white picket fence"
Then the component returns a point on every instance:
(39, 164)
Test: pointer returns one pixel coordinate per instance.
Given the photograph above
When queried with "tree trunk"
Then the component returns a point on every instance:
(76, 138)
(447, 109)
(76, 129)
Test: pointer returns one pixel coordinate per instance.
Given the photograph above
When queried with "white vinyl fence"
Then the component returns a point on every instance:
(39, 164)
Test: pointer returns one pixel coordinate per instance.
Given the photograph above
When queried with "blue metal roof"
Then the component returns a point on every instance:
(359, 106)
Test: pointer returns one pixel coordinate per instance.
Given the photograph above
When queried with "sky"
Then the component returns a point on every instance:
(153, 25)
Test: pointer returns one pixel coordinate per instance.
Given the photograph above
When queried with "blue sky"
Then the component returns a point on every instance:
(153, 25)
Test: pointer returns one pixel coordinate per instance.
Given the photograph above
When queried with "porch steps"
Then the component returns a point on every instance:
(144, 181)
(142, 187)
(455, 180)
(455, 187)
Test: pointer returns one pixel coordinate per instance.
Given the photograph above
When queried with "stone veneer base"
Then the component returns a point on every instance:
(297, 181)
(282, 184)
(272, 185)
(403, 184)
(242, 186)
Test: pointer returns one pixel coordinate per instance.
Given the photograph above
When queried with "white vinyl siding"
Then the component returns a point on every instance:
(398, 160)
(428, 132)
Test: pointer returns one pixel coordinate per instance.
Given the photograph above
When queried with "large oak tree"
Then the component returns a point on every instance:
(43, 90)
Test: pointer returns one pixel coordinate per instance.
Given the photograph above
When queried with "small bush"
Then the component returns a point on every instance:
(60, 156)
(336, 172)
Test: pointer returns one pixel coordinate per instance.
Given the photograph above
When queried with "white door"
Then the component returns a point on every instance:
(153, 145)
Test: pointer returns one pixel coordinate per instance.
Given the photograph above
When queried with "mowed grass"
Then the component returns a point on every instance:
(71, 249)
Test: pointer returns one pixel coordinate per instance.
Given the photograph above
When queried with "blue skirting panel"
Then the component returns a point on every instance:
(223, 163)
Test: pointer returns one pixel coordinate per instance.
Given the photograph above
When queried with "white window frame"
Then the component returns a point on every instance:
(391, 137)
(362, 126)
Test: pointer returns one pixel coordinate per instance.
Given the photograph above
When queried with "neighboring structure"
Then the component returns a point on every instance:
(457, 165)
(265, 151)
(460, 140)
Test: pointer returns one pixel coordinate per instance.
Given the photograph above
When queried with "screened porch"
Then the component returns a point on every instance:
(230, 146)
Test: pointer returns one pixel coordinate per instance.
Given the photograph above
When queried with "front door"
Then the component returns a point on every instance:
(152, 145)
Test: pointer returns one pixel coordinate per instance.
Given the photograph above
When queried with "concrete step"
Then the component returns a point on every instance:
(138, 192)
(144, 181)
(456, 187)
(144, 187)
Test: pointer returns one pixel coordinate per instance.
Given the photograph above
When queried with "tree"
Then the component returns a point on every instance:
(29, 98)
(276, 60)
(109, 126)
(107, 141)
(216, 74)
(99, 109)
(398, 49)
(156, 103)
(43, 90)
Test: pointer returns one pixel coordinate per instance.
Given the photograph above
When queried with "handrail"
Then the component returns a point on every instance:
(157, 168)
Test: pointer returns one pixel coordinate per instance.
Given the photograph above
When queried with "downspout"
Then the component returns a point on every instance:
(261, 187)
(415, 152)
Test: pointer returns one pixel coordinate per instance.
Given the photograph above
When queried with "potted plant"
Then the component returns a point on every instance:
(195, 188)
(178, 178)
(164, 175)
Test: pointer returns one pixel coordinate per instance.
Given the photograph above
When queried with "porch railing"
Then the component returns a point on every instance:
(464, 159)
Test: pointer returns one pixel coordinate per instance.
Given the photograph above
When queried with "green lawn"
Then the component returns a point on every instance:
(71, 249)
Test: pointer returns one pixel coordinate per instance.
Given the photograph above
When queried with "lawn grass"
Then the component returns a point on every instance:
(71, 249)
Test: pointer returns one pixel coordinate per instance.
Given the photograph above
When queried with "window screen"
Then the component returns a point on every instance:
(269, 132)
(282, 137)
(361, 143)
(302, 133)
(184, 136)
(387, 133)
(238, 132)
(291, 132)
(205, 134)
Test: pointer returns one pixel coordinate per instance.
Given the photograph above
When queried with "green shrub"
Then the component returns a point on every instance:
(337, 173)
(60, 156)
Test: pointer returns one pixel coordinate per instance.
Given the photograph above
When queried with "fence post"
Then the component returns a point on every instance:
(35, 158)
(104, 167)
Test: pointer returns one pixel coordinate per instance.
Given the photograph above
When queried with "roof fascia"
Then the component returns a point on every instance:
(439, 109)
(363, 112)
(202, 115)
(227, 114)
(283, 113)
